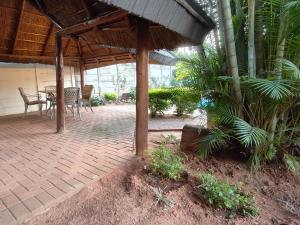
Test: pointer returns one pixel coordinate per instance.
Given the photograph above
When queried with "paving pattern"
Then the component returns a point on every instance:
(39, 168)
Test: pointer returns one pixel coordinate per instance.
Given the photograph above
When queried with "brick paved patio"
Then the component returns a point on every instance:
(39, 168)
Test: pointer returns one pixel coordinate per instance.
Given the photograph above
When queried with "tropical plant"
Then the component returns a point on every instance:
(259, 111)
(165, 163)
(226, 196)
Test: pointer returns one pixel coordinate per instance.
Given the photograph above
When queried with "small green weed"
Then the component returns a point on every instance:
(226, 196)
(168, 139)
(162, 200)
(164, 162)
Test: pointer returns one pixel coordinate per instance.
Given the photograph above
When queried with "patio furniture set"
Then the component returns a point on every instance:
(72, 99)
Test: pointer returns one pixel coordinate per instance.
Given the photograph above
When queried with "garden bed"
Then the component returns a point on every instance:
(130, 196)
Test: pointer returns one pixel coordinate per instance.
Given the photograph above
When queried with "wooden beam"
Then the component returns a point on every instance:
(81, 76)
(33, 57)
(67, 46)
(142, 61)
(108, 18)
(87, 9)
(47, 39)
(60, 104)
(79, 48)
(18, 26)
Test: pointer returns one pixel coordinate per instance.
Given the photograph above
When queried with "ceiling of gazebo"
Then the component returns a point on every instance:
(28, 28)
(28, 36)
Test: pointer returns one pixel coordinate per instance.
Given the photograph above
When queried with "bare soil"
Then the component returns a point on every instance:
(127, 196)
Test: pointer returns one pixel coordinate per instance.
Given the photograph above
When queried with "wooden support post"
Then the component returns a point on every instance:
(81, 76)
(60, 115)
(142, 61)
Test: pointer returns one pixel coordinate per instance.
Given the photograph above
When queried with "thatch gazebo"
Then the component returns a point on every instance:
(93, 33)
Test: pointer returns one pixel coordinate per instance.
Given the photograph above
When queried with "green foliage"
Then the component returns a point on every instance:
(110, 97)
(132, 94)
(184, 100)
(215, 140)
(161, 99)
(162, 200)
(97, 101)
(165, 163)
(248, 135)
(292, 162)
(226, 196)
(264, 121)
(168, 139)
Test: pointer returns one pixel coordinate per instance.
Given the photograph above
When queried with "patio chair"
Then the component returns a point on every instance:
(49, 90)
(28, 102)
(72, 99)
(87, 97)
(125, 97)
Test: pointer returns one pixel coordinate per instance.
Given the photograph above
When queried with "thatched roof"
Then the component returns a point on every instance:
(28, 27)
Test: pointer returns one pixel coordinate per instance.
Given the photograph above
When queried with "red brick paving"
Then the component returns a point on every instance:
(39, 168)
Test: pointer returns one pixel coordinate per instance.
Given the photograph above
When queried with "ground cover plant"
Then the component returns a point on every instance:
(165, 163)
(225, 196)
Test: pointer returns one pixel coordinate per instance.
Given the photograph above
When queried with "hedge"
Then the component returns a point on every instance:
(161, 99)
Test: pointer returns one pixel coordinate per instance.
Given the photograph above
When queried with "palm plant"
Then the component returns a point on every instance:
(266, 125)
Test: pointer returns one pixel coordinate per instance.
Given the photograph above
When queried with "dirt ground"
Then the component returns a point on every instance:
(127, 197)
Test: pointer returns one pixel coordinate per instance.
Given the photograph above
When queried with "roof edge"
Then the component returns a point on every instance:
(196, 10)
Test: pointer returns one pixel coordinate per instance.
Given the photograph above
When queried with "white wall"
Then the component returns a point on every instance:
(32, 77)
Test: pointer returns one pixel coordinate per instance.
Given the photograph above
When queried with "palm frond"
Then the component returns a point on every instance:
(275, 89)
(215, 140)
(292, 68)
(248, 135)
(291, 162)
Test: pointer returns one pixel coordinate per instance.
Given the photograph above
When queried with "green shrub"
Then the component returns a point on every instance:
(165, 163)
(184, 100)
(226, 196)
(132, 94)
(96, 101)
(112, 97)
(161, 99)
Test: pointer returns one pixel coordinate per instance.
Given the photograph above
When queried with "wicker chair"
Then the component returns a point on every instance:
(87, 97)
(27, 100)
(72, 99)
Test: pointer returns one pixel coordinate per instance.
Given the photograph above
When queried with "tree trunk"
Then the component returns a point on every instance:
(221, 24)
(215, 30)
(231, 52)
(281, 45)
(259, 42)
(251, 48)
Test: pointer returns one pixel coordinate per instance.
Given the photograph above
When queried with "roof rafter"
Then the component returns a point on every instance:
(108, 18)
(66, 47)
(47, 39)
(18, 26)
(87, 9)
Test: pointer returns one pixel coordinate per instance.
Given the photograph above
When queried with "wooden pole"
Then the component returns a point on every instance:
(81, 76)
(60, 118)
(142, 61)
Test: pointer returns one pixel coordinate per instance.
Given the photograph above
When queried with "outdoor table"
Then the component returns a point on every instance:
(52, 102)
